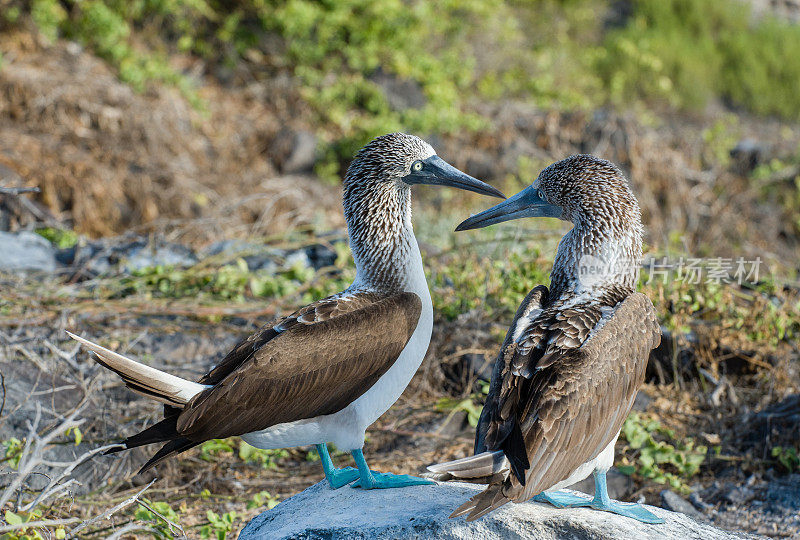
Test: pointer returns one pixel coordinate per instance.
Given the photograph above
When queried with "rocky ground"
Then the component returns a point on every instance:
(43, 370)
(173, 232)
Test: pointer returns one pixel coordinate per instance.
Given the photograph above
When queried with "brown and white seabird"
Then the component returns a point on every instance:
(329, 370)
(575, 355)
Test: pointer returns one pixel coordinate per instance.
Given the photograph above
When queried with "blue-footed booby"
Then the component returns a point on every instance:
(575, 354)
(329, 370)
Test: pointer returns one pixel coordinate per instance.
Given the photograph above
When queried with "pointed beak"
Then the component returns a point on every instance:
(437, 172)
(526, 203)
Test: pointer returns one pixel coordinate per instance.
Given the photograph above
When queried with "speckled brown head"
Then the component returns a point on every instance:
(594, 195)
(377, 201)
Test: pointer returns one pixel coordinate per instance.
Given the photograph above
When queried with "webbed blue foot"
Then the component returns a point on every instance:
(341, 477)
(336, 477)
(602, 501)
(374, 480)
(559, 499)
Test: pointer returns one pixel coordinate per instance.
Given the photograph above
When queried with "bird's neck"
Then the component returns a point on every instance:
(382, 239)
(592, 260)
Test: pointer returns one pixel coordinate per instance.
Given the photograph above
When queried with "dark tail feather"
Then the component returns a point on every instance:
(165, 430)
(481, 504)
(170, 449)
(514, 449)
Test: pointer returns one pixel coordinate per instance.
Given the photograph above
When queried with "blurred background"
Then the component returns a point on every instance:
(188, 156)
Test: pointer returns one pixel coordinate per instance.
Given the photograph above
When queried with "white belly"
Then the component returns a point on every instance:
(603, 461)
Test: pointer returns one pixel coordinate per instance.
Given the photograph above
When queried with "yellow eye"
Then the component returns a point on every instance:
(417, 166)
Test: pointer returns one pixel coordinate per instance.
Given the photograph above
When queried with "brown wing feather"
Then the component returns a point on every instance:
(321, 310)
(534, 301)
(576, 411)
(319, 361)
(571, 408)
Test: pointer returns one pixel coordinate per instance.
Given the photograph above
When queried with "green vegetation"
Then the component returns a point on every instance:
(262, 499)
(472, 405)
(12, 451)
(162, 518)
(266, 459)
(555, 53)
(165, 522)
(61, 238)
(649, 455)
(788, 457)
(228, 282)
(218, 527)
(27, 533)
(495, 285)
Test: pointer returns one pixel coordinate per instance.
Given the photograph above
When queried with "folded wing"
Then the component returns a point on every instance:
(319, 360)
(559, 406)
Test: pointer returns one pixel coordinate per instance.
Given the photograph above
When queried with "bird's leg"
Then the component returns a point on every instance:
(602, 501)
(336, 477)
(375, 480)
(559, 499)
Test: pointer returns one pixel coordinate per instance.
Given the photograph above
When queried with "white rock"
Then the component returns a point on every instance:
(26, 251)
(422, 512)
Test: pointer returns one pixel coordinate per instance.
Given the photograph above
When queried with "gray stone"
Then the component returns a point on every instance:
(422, 512)
(303, 155)
(739, 495)
(166, 254)
(672, 501)
(26, 251)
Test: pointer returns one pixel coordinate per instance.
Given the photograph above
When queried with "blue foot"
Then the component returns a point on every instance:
(373, 480)
(601, 501)
(389, 480)
(336, 477)
(559, 499)
(341, 477)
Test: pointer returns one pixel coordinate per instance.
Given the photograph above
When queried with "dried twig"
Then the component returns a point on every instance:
(18, 190)
(169, 523)
(54, 487)
(129, 528)
(35, 524)
(111, 511)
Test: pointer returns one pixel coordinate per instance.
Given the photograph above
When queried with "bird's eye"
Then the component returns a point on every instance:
(417, 166)
(540, 193)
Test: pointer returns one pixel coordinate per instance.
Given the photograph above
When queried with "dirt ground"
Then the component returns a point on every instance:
(110, 161)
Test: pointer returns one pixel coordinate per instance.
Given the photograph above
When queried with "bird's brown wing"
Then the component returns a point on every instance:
(574, 405)
(561, 327)
(321, 310)
(527, 311)
(568, 410)
(319, 360)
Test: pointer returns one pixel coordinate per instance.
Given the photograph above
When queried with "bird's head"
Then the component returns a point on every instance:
(605, 245)
(397, 161)
(590, 192)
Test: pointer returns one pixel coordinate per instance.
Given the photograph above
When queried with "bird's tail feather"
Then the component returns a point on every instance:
(481, 504)
(483, 468)
(145, 380)
(165, 430)
(168, 450)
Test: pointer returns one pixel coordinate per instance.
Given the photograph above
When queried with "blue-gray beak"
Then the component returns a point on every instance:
(526, 203)
(437, 172)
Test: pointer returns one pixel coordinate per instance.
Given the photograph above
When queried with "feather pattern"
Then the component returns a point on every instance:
(576, 353)
(350, 354)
